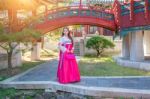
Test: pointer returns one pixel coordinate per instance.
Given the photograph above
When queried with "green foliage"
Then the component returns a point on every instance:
(26, 35)
(2, 78)
(9, 41)
(7, 92)
(99, 43)
(11, 93)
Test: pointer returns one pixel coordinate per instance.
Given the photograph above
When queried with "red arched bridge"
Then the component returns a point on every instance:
(124, 17)
(75, 15)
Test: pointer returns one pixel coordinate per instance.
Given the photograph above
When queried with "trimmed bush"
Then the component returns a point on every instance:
(99, 43)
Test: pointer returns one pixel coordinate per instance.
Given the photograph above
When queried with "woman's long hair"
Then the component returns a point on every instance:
(69, 34)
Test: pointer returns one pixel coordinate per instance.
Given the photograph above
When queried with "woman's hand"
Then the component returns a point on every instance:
(72, 51)
(69, 51)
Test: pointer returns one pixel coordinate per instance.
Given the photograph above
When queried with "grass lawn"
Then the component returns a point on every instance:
(12, 93)
(7, 92)
(105, 66)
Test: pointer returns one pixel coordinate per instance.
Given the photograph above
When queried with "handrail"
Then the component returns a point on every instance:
(76, 7)
(102, 14)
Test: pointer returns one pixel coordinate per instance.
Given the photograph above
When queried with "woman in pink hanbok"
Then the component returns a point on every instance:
(67, 71)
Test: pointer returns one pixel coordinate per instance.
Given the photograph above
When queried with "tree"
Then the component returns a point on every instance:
(14, 34)
(9, 41)
(99, 43)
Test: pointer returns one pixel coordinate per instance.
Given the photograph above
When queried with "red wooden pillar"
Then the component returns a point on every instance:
(101, 30)
(146, 9)
(117, 13)
(86, 29)
(131, 10)
(12, 15)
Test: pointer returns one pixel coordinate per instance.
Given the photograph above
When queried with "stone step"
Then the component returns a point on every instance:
(79, 89)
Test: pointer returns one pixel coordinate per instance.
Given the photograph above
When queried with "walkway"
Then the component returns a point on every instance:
(44, 77)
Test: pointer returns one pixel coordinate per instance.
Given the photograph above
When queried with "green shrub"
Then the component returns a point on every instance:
(99, 43)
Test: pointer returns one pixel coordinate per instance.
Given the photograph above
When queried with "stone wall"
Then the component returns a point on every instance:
(117, 48)
(16, 58)
(53, 45)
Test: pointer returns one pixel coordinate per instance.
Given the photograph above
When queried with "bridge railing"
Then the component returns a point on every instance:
(79, 12)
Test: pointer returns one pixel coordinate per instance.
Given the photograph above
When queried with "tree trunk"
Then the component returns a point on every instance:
(98, 53)
(42, 42)
(10, 62)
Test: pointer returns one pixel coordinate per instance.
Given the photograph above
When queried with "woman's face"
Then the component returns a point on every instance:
(66, 31)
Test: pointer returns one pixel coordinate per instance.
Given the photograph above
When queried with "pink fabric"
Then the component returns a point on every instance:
(67, 71)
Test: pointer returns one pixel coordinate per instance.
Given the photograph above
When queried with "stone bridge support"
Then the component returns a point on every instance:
(126, 46)
(147, 42)
(35, 53)
(132, 46)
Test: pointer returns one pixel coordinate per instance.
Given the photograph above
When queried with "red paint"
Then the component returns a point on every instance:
(132, 19)
(139, 20)
(132, 10)
(146, 9)
(117, 13)
(119, 22)
(54, 24)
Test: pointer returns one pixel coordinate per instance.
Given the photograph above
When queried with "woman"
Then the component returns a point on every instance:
(67, 67)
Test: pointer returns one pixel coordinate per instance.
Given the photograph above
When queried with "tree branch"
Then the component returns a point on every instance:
(3, 47)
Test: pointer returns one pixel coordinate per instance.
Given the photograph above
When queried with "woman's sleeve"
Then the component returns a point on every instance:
(60, 46)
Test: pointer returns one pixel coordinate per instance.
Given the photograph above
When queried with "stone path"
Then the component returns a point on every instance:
(44, 72)
(44, 76)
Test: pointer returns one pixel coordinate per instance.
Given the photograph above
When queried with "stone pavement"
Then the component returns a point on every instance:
(44, 77)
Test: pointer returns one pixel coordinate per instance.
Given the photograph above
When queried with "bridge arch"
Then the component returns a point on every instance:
(65, 16)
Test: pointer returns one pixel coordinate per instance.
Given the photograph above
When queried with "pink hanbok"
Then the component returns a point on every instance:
(67, 71)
